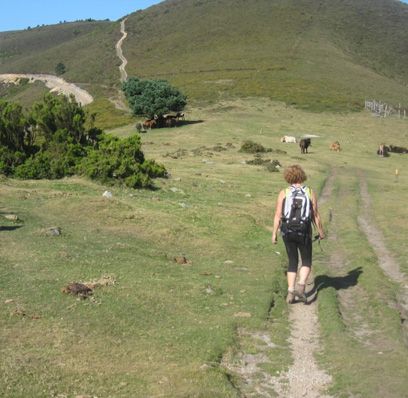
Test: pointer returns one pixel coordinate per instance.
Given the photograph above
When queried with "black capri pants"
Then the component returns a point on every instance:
(296, 244)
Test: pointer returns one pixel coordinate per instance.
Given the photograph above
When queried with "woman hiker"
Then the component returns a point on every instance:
(296, 230)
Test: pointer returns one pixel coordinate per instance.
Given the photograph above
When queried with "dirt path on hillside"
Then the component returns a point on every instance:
(59, 85)
(56, 84)
(119, 53)
(119, 100)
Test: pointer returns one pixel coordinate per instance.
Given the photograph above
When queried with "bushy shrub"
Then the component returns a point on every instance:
(68, 148)
(120, 161)
(35, 168)
(10, 160)
(252, 147)
(269, 165)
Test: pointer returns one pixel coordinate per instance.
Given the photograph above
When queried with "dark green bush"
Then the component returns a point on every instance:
(120, 161)
(151, 97)
(252, 147)
(68, 148)
(35, 168)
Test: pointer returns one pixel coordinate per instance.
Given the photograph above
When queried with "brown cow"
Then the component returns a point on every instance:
(148, 124)
(171, 121)
(335, 146)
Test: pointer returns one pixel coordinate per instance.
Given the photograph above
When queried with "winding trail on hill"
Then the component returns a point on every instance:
(119, 100)
(123, 74)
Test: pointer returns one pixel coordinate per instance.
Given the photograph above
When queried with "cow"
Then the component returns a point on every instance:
(304, 144)
(288, 138)
(180, 115)
(138, 127)
(335, 146)
(172, 121)
(397, 149)
(149, 124)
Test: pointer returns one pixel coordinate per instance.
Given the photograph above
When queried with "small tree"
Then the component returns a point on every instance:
(60, 69)
(153, 97)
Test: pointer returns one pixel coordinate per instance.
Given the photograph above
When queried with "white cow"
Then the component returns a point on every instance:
(288, 138)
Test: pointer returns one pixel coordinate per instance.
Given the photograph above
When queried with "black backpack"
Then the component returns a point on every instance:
(297, 212)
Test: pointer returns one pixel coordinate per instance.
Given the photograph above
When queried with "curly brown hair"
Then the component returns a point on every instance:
(294, 175)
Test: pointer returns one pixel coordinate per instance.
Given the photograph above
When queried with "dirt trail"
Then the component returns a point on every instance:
(119, 100)
(123, 74)
(304, 379)
(56, 84)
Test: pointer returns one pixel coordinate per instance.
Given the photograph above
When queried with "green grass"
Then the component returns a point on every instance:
(163, 328)
(327, 56)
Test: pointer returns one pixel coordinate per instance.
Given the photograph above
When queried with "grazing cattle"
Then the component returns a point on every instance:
(288, 138)
(172, 121)
(180, 115)
(138, 127)
(397, 149)
(304, 144)
(335, 146)
(148, 124)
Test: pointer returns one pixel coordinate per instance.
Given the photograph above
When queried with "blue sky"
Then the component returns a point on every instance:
(20, 14)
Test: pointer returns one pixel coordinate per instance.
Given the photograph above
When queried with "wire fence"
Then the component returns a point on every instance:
(382, 109)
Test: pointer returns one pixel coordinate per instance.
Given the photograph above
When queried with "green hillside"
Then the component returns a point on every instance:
(325, 55)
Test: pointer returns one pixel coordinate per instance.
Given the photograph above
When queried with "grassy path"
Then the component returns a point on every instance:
(216, 325)
(361, 333)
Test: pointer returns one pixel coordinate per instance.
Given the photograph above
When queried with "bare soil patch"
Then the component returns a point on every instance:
(54, 83)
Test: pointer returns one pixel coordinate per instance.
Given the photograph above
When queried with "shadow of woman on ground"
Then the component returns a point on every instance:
(338, 282)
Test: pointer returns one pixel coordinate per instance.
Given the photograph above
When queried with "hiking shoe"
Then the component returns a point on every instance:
(300, 293)
(290, 298)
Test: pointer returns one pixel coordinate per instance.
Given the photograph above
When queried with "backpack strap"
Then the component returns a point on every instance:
(309, 193)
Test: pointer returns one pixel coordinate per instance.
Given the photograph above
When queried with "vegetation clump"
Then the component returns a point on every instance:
(249, 146)
(57, 138)
(270, 165)
(153, 97)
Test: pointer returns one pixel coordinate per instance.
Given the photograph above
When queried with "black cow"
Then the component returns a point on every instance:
(304, 144)
(397, 149)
